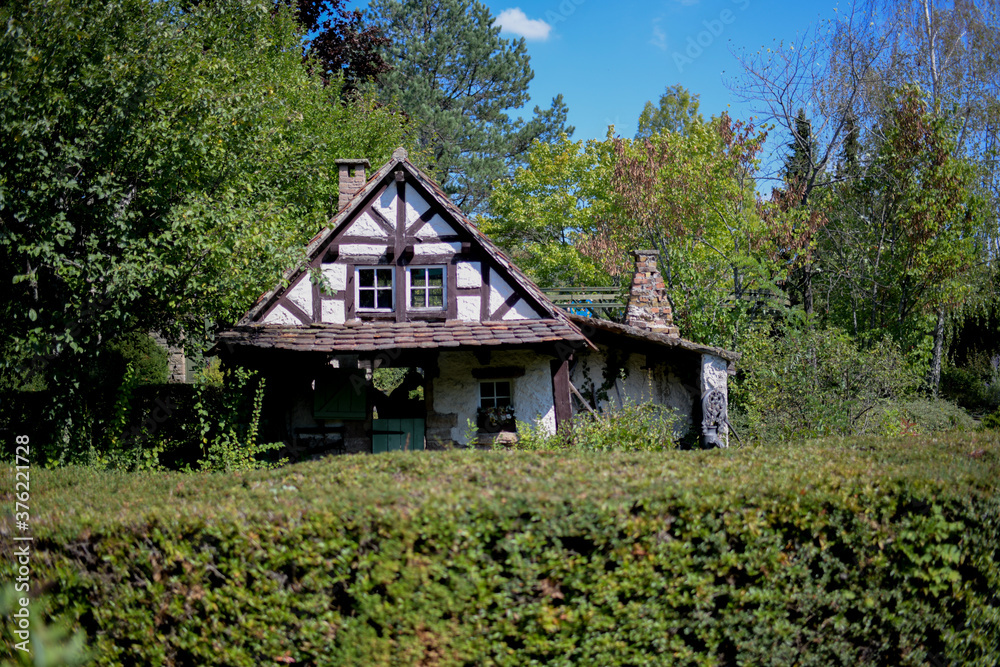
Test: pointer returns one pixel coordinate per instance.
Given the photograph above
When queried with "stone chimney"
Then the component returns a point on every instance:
(648, 306)
(352, 178)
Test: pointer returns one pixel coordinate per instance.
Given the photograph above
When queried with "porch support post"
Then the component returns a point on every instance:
(561, 392)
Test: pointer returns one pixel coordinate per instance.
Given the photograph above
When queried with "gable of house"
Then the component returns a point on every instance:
(402, 252)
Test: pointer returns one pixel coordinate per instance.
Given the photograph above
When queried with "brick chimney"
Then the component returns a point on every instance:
(352, 178)
(648, 306)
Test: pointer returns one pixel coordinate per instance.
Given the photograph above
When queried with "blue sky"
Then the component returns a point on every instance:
(609, 58)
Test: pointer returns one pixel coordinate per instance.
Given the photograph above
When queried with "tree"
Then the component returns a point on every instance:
(799, 163)
(344, 44)
(677, 112)
(907, 236)
(547, 216)
(161, 162)
(457, 79)
(694, 199)
(848, 72)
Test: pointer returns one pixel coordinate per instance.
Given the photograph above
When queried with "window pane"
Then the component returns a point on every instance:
(436, 277)
(436, 298)
(385, 277)
(385, 298)
(417, 298)
(486, 389)
(503, 389)
(502, 401)
(366, 277)
(418, 277)
(366, 298)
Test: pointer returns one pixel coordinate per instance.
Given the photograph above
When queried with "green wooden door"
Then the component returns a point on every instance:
(390, 435)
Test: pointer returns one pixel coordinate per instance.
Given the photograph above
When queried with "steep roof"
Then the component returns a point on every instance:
(557, 326)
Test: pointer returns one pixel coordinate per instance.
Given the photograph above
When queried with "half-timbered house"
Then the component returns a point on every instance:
(401, 278)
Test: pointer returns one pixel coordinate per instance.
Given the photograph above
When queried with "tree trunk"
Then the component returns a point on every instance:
(934, 378)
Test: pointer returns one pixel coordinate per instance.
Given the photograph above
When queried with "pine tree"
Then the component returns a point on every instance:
(457, 79)
(799, 164)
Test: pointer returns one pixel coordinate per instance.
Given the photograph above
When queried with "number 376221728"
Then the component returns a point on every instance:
(22, 488)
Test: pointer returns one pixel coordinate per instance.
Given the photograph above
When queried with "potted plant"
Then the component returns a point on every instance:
(494, 419)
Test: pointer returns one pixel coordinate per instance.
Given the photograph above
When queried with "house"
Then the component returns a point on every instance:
(401, 278)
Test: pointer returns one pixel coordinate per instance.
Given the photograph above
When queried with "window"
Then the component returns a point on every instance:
(375, 288)
(494, 394)
(427, 287)
(495, 413)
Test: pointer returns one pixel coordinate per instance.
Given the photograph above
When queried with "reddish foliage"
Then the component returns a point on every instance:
(344, 43)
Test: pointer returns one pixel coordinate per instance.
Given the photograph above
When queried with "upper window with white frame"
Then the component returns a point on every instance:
(427, 287)
(375, 288)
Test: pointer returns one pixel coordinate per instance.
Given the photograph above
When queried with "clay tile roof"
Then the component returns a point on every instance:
(592, 326)
(376, 336)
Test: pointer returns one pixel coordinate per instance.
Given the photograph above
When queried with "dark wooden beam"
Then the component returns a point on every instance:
(561, 392)
(498, 372)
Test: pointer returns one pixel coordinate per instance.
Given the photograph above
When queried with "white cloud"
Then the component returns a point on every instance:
(659, 39)
(515, 21)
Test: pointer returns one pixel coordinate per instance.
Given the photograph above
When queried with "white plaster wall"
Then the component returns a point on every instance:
(362, 251)
(499, 291)
(416, 206)
(301, 294)
(333, 312)
(470, 274)
(386, 203)
(435, 228)
(336, 276)
(641, 385)
(456, 391)
(281, 316)
(469, 308)
(521, 311)
(366, 226)
(425, 249)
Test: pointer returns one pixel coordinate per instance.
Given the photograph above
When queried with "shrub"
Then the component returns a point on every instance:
(856, 551)
(812, 382)
(935, 415)
(645, 427)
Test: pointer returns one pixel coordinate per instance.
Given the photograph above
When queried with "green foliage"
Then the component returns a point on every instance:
(905, 237)
(457, 79)
(992, 420)
(547, 217)
(976, 385)
(677, 112)
(148, 359)
(861, 551)
(800, 381)
(228, 429)
(162, 161)
(643, 427)
(52, 644)
(935, 415)
(693, 197)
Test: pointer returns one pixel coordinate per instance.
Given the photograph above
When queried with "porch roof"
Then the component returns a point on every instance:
(374, 336)
(592, 325)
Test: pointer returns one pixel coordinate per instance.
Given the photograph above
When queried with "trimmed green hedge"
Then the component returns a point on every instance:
(834, 552)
